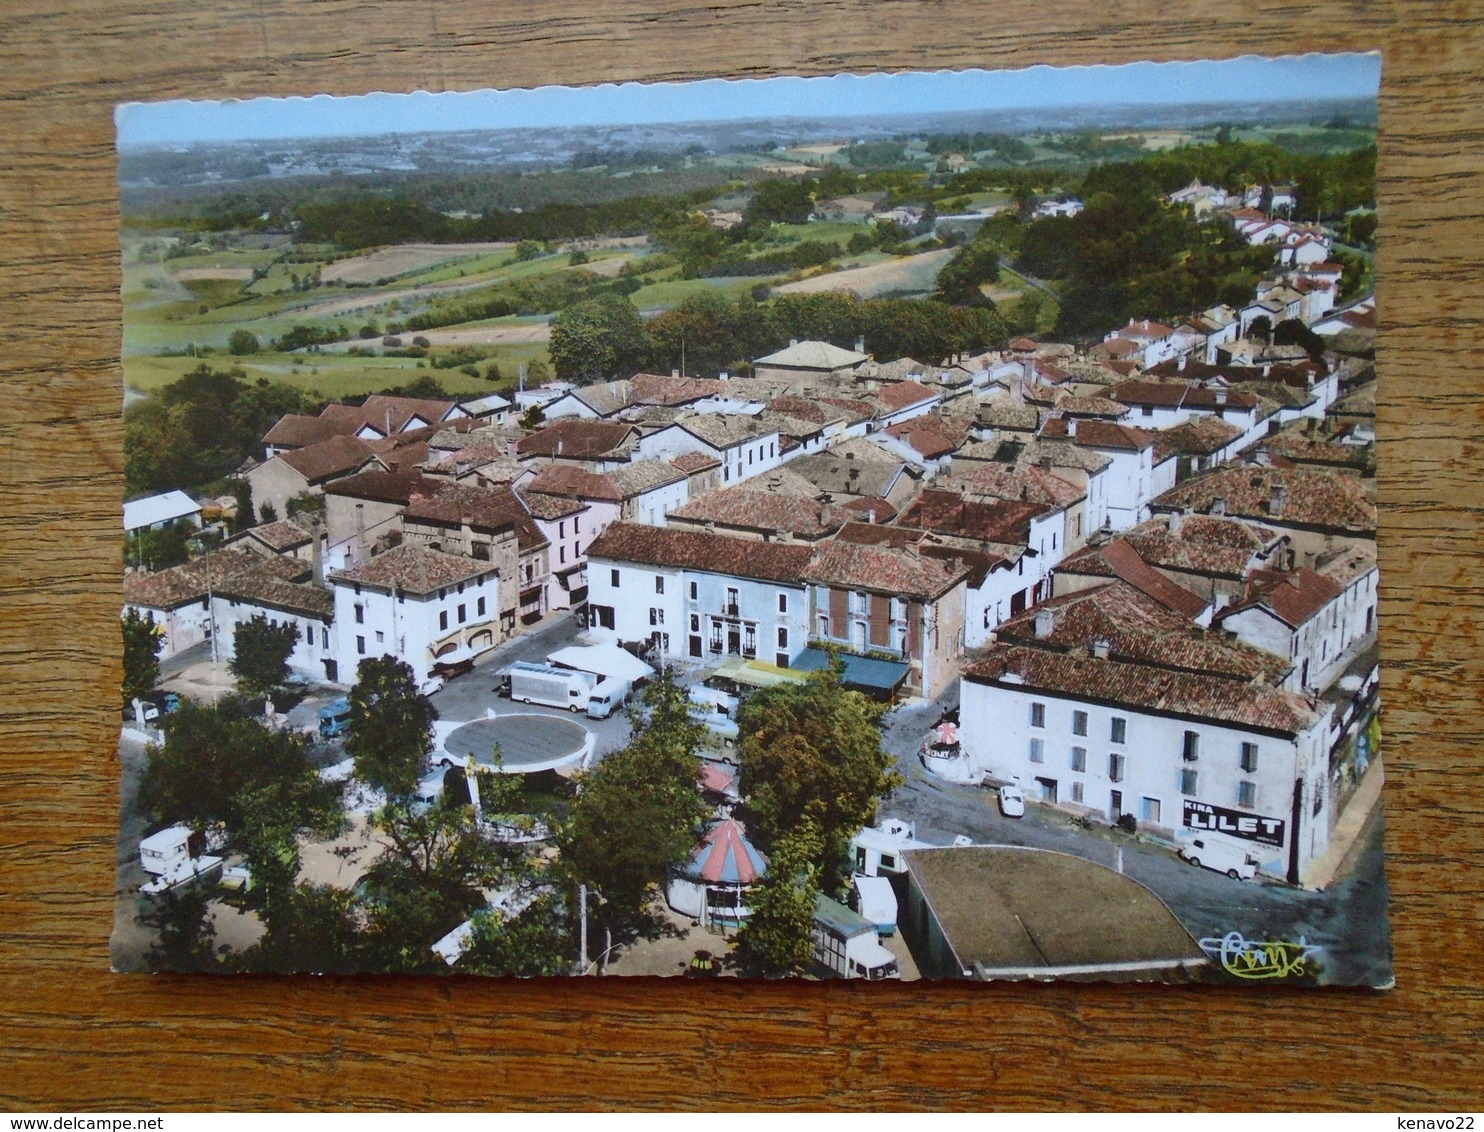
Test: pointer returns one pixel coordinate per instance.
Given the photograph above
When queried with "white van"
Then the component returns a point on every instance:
(1219, 857)
(608, 695)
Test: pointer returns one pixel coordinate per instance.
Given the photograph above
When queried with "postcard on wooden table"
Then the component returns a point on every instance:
(875, 527)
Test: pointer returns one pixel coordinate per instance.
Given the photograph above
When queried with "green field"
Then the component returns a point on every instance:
(332, 375)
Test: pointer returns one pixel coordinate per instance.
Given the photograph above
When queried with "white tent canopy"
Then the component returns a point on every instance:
(602, 660)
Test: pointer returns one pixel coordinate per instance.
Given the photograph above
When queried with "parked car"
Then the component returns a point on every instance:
(334, 719)
(1207, 854)
(165, 702)
(1012, 801)
(449, 669)
(431, 685)
(135, 709)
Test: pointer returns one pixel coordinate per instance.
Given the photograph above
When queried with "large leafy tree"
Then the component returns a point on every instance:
(260, 654)
(430, 880)
(638, 812)
(812, 757)
(201, 426)
(710, 333)
(141, 654)
(781, 201)
(962, 276)
(778, 937)
(391, 726)
(538, 941)
(220, 764)
(596, 339)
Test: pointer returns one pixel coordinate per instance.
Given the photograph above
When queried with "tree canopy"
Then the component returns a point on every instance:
(777, 938)
(260, 653)
(595, 339)
(202, 426)
(638, 811)
(142, 643)
(812, 757)
(391, 726)
(219, 763)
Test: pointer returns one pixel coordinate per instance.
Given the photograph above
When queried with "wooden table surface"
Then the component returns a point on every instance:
(76, 1037)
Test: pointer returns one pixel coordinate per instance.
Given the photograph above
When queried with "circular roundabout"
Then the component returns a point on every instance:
(529, 741)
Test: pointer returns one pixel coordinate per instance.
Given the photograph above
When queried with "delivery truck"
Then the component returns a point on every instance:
(846, 944)
(554, 687)
(608, 695)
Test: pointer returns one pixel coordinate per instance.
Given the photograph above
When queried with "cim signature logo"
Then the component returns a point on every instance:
(1250, 959)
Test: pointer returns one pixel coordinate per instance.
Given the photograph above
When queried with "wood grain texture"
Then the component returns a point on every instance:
(77, 1037)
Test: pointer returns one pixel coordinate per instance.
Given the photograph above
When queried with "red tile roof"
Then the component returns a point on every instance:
(656, 389)
(948, 513)
(856, 560)
(481, 508)
(701, 550)
(757, 509)
(1199, 436)
(901, 394)
(1179, 394)
(281, 536)
(1000, 481)
(1117, 559)
(1204, 544)
(576, 439)
(1139, 629)
(1099, 434)
(578, 483)
(337, 456)
(1187, 695)
(1311, 498)
(387, 487)
(692, 462)
(1294, 597)
(415, 569)
(298, 430)
(178, 585)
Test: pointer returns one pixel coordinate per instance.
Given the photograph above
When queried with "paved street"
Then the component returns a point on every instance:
(1348, 920)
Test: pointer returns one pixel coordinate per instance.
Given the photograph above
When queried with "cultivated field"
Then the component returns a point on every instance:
(387, 263)
(234, 274)
(910, 274)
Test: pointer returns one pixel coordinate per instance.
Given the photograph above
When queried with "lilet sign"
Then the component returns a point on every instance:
(1234, 823)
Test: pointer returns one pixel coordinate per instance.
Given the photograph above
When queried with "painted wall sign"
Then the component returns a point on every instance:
(1218, 819)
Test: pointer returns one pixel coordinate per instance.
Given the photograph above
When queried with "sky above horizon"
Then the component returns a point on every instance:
(1248, 79)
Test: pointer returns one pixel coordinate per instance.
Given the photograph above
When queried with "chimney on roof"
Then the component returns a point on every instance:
(1176, 520)
(559, 446)
(1276, 499)
(1045, 622)
(1218, 506)
(1046, 463)
(793, 342)
(1220, 395)
(722, 375)
(860, 344)
(1071, 426)
(871, 515)
(1180, 365)
(1100, 648)
(1266, 368)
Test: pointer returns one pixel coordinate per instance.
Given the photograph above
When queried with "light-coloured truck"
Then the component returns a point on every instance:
(608, 695)
(554, 687)
(846, 944)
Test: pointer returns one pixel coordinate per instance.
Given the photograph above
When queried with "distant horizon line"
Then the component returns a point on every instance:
(1295, 78)
(1067, 107)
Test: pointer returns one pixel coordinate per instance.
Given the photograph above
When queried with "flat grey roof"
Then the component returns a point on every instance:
(1015, 910)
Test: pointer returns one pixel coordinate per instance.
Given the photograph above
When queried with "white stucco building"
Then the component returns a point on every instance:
(416, 604)
(1093, 703)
